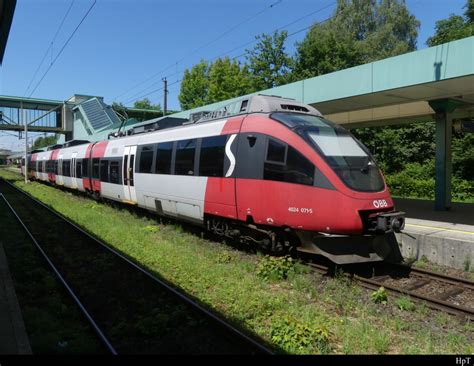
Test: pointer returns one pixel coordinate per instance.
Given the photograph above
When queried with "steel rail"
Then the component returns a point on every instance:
(78, 302)
(457, 281)
(432, 302)
(170, 288)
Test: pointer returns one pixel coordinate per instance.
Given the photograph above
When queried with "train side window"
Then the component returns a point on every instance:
(211, 161)
(114, 172)
(85, 167)
(185, 151)
(297, 169)
(95, 168)
(164, 153)
(66, 168)
(132, 162)
(276, 151)
(104, 170)
(146, 159)
(55, 168)
(78, 168)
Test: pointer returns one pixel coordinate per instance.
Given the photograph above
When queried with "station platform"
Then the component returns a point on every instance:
(443, 237)
(13, 337)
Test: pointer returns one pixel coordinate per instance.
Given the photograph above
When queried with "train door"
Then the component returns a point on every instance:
(43, 168)
(73, 170)
(60, 177)
(130, 193)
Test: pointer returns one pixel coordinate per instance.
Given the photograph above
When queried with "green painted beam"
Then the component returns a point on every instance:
(31, 128)
(446, 61)
(8, 98)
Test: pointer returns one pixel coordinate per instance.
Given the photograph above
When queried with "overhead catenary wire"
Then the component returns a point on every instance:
(132, 98)
(138, 96)
(289, 35)
(5, 133)
(153, 91)
(50, 45)
(63, 47)
(160, 73)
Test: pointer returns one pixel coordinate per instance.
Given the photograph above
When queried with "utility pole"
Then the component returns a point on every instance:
(165, 95)
(23, 117)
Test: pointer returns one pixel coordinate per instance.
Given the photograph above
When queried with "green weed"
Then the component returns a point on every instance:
(380, 296)
(151, 229)
(404, 303)
(275, 268)
(223, 258)
(467, 264)
(297, 336)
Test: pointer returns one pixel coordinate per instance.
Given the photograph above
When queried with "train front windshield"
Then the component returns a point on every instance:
(346, 156)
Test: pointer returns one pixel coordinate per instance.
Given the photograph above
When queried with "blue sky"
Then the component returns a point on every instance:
(124, 43)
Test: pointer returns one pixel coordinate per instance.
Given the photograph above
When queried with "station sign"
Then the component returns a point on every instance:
(464, 126)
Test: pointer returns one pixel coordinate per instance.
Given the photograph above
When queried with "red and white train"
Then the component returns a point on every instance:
(265, 170)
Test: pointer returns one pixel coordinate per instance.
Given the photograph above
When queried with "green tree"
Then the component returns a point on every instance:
(326, 48)
(195, 86)
(45, 141)
(394, 146)
(469, 13)
(228, 79)
(357, 33)
(268, 63)
(146, 104)
(455, 27)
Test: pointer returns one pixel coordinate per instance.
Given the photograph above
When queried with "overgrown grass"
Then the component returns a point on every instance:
(298, 311)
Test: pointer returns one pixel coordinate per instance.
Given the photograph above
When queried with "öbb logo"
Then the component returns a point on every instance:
(380, 203)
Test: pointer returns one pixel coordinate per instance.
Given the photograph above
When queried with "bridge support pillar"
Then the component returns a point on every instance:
(443, 159)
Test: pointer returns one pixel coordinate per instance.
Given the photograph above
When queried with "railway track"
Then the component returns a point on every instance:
(133, 309)
(454, 295)
(98, 331)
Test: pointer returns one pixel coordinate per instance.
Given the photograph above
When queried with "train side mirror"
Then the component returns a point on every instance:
(252, 139)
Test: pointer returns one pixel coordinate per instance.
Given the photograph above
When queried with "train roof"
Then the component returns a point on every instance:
(253, 104)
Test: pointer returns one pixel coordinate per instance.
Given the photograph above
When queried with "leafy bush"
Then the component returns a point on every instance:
(462, 190)
(380, 296)
(297, 337)
(415, 182)
(275, 268)
(412, 182)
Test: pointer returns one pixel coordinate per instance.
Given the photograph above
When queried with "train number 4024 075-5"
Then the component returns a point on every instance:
(303, 210)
